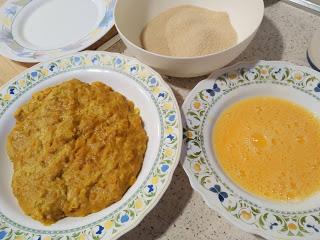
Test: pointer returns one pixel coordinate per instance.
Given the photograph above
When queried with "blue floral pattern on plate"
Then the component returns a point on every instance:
(12, 49)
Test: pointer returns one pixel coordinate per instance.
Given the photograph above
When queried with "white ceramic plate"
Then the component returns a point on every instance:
(269, 219)
(161, 116)
(39, 30)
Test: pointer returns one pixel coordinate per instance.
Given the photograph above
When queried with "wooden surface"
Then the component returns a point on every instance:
(9, 69)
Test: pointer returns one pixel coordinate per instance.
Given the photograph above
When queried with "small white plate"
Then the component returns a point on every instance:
(271, 220)
(161, 116)
(39, 30)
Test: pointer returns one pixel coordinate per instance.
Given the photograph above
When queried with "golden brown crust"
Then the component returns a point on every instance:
(76, 149)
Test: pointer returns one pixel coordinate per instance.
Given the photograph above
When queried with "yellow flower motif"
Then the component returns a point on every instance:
(169, 130)
(22, 83)
(64, 63)
(87, 61)
(108, 225)
(246, 215)
(155, 180)
(189, 134)
(138, 203)
(264, 71)
(6, 97)
(197, 105)
(298, 76)
(197, 167)
(106, 61)
(168, 152)
(143, 74)
(232, 76)
(6, 21)
(82, 237)
(47, 238)
(19, 238)
(156, 90)
(44, 72)
(167, 106)
(292, 226)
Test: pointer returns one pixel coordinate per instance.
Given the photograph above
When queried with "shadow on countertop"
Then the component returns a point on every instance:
(266, 45)
(167, 210)
(268, 3)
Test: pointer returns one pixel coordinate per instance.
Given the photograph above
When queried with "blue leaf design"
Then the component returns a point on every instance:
(211, 92)
(170, 136)
(164, 168)
(273, 225)
(100, 229)
(124, 218)
(161, 95)
(224, 194)
(217, 187)
(172, 118)
(221, 198)
(3, 234)
(216, 88)
(313, 227)
(212, 189)
(150, 188)
(34, 74)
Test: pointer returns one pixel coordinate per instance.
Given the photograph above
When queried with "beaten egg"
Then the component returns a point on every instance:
(269, 147)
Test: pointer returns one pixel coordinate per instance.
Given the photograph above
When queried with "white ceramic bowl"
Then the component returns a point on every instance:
(273, 220)
(132, 16)
(161, 117)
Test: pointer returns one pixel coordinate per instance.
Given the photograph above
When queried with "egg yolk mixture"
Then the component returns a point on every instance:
(269, 147)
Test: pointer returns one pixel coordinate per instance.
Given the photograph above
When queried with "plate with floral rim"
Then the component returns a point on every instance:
(269, 219)
(162, 122)
(40, 30)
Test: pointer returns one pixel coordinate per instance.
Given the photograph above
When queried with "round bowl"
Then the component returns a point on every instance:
(132, 16)
(162, 122)
(272, 220)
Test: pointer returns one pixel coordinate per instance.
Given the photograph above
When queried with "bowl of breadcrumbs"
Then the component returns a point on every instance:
(187, 38)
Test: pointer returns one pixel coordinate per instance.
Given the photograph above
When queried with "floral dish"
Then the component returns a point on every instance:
(269, 219)
(161, 116)
(38, 30)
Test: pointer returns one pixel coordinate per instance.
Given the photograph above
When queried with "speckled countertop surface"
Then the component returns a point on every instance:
(181, 214)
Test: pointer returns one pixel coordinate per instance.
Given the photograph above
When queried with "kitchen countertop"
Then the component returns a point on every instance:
(182, 214)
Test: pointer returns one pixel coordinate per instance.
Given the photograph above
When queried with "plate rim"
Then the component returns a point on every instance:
(52, 54)
(175, 160)
(192, 179)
